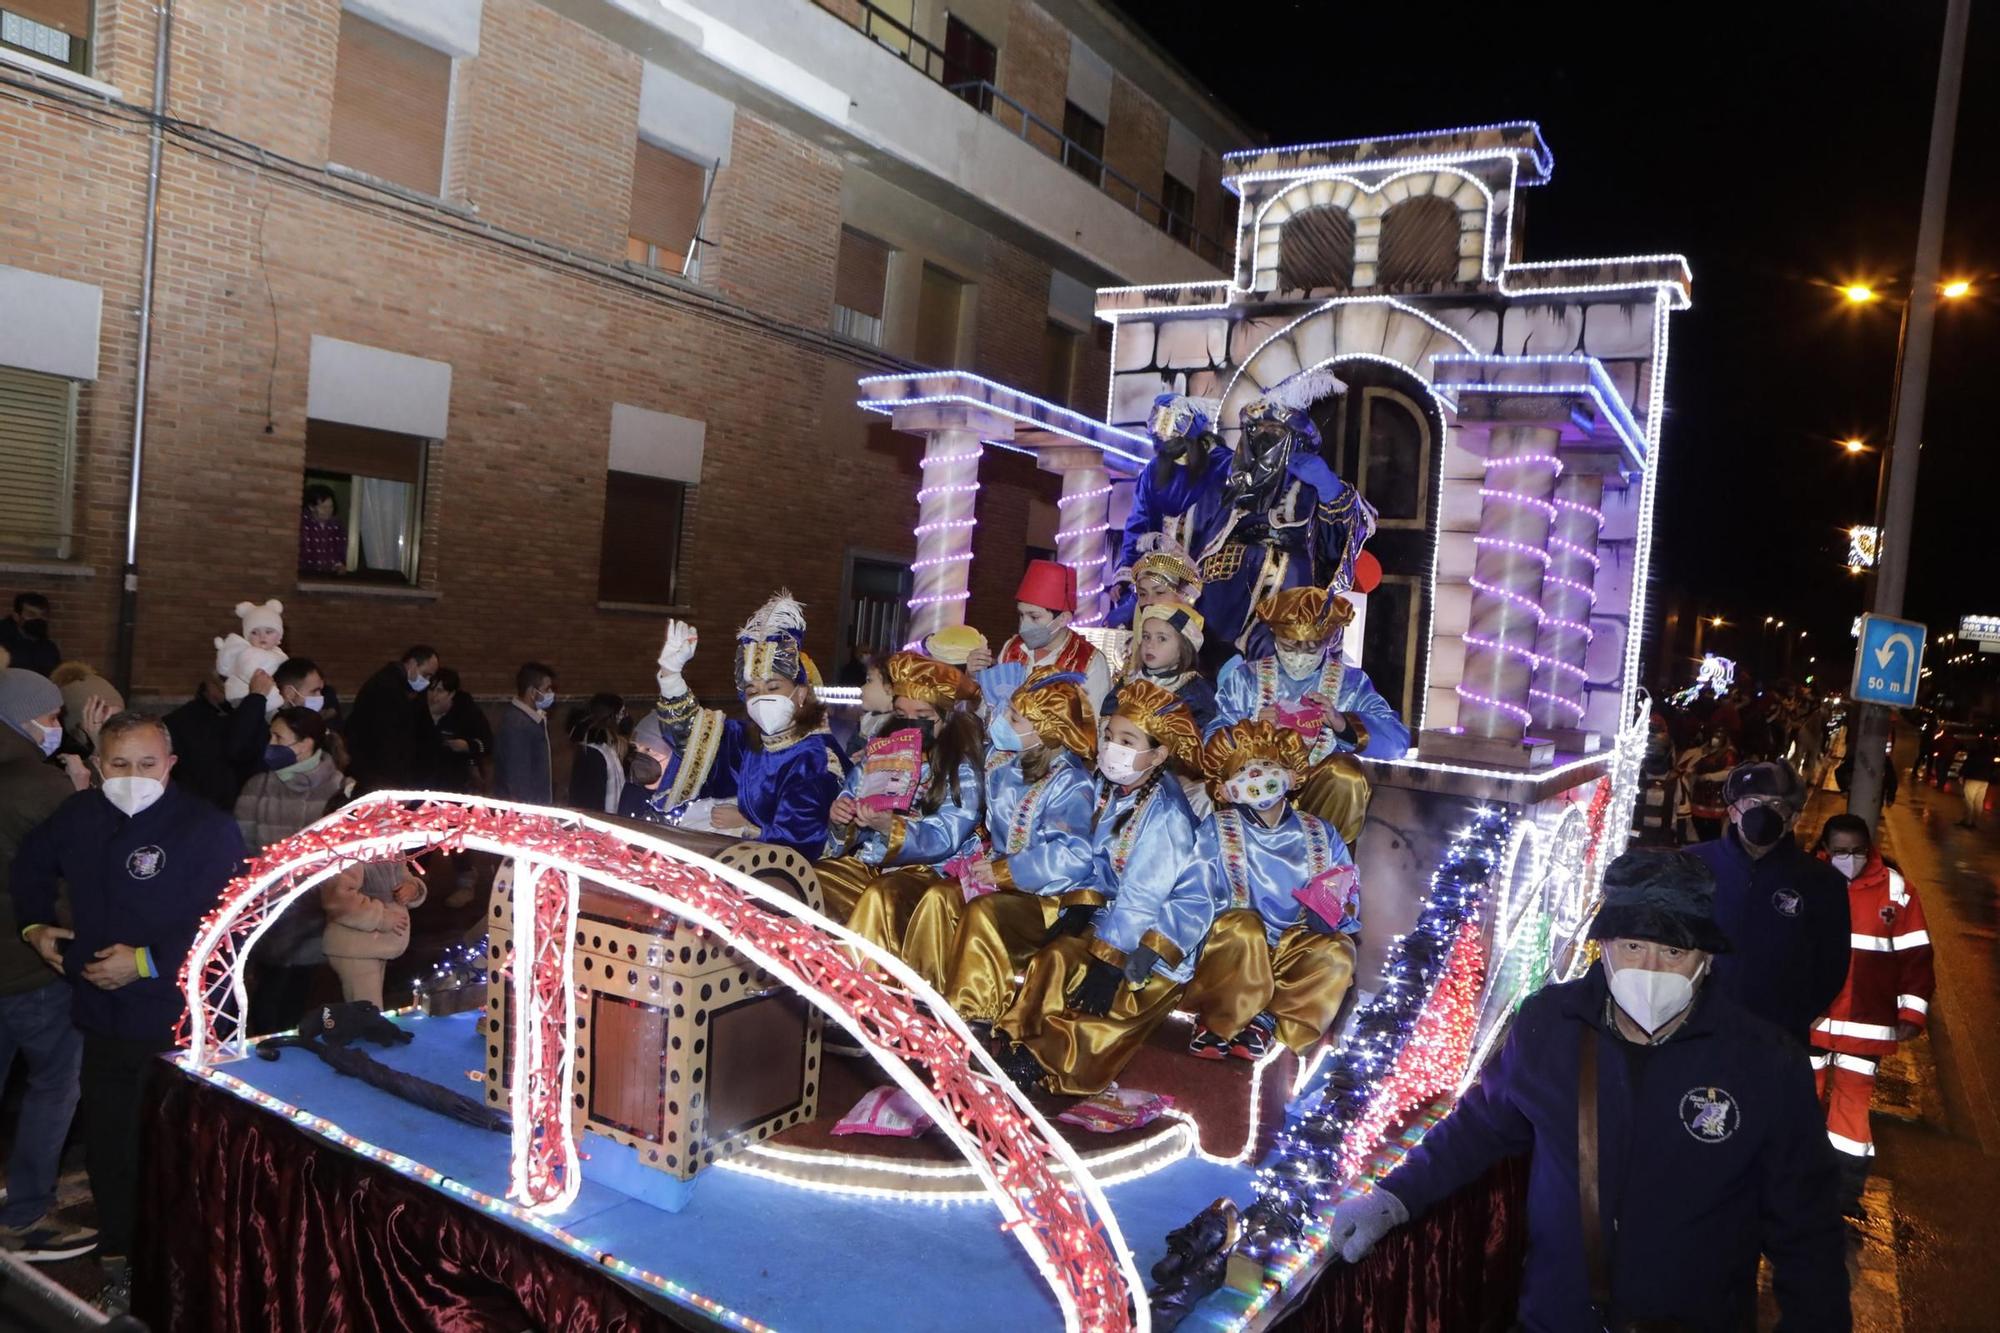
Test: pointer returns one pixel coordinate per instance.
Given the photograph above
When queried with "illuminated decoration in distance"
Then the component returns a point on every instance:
(1716, 675)
(1864, 546)
(1047, 1200)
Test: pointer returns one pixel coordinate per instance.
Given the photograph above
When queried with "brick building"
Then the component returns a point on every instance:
(563, 301)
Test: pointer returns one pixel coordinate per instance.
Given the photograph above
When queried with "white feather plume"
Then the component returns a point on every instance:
(781, 615)
(1301, 391)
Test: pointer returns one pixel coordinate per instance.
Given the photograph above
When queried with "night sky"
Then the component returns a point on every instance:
(1780, 146)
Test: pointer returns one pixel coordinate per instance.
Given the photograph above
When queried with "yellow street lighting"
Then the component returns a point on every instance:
(1855, 445)
(1781, 624)
(1716, 621)
(1955, 289)
(1859, 293)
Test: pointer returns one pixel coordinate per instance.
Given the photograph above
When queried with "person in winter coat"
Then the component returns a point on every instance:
(143, 862)
(1672, 1136)
(391, 740)
(464, 735)
(34, 1002)
(368, 924)
(1784, 909)
(521, 759)
(597, 764)
(1887, 997)
(300, 781)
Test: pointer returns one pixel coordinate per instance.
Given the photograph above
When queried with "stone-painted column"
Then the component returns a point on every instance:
(1506, 614)
(1568, 596)
(1084, 510)
(945, 518)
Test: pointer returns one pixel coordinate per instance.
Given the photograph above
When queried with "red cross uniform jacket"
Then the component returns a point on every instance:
(1889, 979)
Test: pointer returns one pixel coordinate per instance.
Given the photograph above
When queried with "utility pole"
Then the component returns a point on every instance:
(1913, 358)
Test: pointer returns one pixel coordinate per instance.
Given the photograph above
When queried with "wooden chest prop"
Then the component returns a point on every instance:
(686, 1052)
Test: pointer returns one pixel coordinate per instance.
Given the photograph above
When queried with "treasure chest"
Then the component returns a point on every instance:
(686, 1052)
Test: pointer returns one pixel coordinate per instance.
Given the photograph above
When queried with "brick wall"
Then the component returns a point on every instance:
(546, 119)
(1034, 64)
(1135, 140)
(257, 257)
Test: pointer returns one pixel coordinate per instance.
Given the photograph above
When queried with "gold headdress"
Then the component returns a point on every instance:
(1160, 714)
(939, 684)
(1234, 747)
(1055, 705)
(1307, 615)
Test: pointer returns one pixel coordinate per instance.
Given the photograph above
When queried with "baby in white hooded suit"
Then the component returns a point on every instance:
(241, 656)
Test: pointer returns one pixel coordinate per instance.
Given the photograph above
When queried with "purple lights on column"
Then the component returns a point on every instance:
(1568, 596)
(1510, 555)
(944, 531)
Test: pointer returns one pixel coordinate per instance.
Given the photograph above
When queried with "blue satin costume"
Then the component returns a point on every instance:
(1251, 866)
(784, 792)
(1054, 853)
(916, 839)
(1248, 685)
(1192, 689)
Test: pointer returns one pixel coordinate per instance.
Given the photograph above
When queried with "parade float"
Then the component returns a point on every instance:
(657, 1011)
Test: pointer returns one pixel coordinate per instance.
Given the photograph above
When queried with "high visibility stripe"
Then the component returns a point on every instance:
(1916, 1004)
(1821, 1061)
(1870, 943)
(1841, 1027)
(1899, 893)
(1854, 1064)
(1911, 940)
(1852, 1147)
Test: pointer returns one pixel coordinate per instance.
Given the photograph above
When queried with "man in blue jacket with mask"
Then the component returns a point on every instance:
(143, 862)
(1673, 1137)
(1783, 908)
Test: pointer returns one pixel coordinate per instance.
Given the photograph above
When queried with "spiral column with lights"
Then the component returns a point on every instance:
(1084, 514)
(1515, 515)
(1569, 594)
(945, 522)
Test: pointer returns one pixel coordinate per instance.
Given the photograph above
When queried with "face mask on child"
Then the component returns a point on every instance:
(1257, 787)
(1120, 763)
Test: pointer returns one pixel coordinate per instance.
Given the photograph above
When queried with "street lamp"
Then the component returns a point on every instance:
(1858, 293)
(1955, 290)
(1854, 444)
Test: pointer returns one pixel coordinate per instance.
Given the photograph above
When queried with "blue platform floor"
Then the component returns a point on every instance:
(791, 1258)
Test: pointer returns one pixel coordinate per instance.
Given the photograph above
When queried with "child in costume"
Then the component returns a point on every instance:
(657, 784)
(784, 764)
(1091, 998)
(1041, 792)
(880, 862)
(1168, 653)
(1305, 675)
(1046, 601)
(241, 656)
(1271, 966)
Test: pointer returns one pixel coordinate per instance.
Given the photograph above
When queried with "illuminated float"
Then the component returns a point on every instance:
(1503, 418)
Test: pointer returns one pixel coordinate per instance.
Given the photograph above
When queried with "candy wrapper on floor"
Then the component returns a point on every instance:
(889, 771)
(1117, 1109)
(1334, 896)
(888, 1112)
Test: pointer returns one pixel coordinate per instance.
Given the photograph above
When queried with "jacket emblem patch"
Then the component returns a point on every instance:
(1709, 1114)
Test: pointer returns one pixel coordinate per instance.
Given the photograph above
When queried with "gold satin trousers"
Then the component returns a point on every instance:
(1301, 980)
(1082, 1053)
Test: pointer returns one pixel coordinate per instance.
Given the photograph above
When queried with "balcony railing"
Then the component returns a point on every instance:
(918, 52)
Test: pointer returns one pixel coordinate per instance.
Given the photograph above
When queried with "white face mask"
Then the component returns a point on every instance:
(1259, 787)
(545, 700)
(313, 702)
(420, 683)
(46, 739)
(1850, 864)
(133, 795)
(1299, 665)
(772, 713)
(1650, 999)
(1120, 763)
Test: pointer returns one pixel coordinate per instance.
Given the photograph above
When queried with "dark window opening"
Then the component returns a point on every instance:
(639, 558)
(1083, 147)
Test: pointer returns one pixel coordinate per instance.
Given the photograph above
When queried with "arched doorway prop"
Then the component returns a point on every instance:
(1065, 1225)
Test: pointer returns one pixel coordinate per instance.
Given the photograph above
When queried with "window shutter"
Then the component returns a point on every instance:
(37, 437)
(863, 273)
(666, 202)
(391, 97)
(358, 451)
(70, 16)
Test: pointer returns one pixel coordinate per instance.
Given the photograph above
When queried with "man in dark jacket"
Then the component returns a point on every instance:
(34, 1002)
(465, 737)
(521, 756)
(391, 740)
(25, 635)
(143, 863)
(1784, 909)
(1691, 1125)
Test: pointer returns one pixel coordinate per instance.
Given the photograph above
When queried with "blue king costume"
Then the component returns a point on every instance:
(1360, 721)
(1271, 965)
(1041, 795)
(1090, 1000)
(784, 781)
(873, 878)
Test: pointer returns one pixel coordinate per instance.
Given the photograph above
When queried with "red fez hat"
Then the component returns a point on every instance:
(1048, 584)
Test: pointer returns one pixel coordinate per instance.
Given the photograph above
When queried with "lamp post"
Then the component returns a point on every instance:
(1913, 368)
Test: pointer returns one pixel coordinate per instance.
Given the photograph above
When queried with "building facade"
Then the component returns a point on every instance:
(562, 303)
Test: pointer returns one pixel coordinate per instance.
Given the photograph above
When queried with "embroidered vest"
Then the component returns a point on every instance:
(1236, 853)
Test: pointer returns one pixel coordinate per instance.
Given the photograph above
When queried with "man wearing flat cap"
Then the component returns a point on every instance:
(1783, 908)
(1673, 1136)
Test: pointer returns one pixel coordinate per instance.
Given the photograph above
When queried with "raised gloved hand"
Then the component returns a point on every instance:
(1099, 988)
(1072, 920)
(1364, 1219)
(674, 655)
(1139, 965)
(1311, 469)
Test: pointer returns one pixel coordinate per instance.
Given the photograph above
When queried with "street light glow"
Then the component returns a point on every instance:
(1855, 445)
(1716, 621)
(1955, 289)
(1858, 293)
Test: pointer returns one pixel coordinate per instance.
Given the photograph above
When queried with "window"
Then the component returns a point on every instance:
(1059, 349)
(971, 63)
(940, 304)
(1419, 244)
(1316, 249)
(56, 30)
(1083, 147)
(391, 97)
(861, 276)
(37, 462)
(669, 193)
(377, 479)
(638, 561)
(1177, 216)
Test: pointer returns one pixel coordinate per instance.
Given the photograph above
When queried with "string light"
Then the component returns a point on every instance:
(964, 388)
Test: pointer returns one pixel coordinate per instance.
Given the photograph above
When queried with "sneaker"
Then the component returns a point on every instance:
(1250, 1044)
(1206, 1045)
(115, 1296)
(47, 1240)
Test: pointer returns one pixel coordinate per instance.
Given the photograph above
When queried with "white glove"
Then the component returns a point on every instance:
(1364, 1219)
(674, 655)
